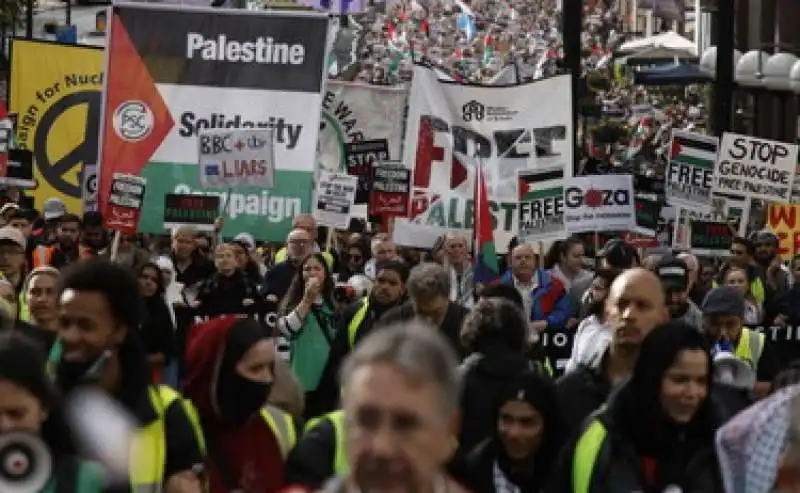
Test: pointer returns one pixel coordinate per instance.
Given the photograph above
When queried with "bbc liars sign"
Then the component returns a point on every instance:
(238, 158)
(755, 168)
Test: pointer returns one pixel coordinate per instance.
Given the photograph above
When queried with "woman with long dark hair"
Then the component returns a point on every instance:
(157, 331)
(308, 323)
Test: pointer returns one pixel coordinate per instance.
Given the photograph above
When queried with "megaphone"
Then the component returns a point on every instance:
(25, 463)
(730, 370)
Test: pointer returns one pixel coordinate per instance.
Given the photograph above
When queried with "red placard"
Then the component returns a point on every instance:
(125, 203)
(390, 191)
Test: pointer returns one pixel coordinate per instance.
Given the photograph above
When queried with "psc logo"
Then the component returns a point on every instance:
(593, 198)
(473, 110)
(133, 121)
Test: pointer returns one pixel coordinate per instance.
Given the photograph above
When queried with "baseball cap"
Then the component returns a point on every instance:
(673, 272)
(724, 300)
(53, 209)
(618, 254)
(246, 240)
(13, 235)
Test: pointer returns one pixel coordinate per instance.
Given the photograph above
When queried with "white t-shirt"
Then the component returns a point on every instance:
(591, 339)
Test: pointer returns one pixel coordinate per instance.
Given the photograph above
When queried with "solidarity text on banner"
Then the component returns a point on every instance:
(56, 91)
(174, 73)
(353, 112)
(755, 168)
(784, 221)
(513, 128)
(599, 203)
(690, 176)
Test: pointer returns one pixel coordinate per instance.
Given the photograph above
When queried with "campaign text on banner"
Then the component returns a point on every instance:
(56, 91)
(173, 73)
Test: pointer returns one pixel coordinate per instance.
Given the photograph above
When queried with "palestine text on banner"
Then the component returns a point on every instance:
(599, 203)
(172, 73)
(513, 128)
(755, 168)
(541, 205)
(690, 176)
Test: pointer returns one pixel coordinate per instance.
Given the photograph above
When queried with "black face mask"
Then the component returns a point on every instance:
(71, 374)
(238, 398)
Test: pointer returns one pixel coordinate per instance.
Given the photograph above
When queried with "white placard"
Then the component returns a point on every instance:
(237, 158)
(599, 203)
(89, 187)
(334, 199)
(755, 168)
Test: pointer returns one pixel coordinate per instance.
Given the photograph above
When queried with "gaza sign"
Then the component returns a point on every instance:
(755, 168)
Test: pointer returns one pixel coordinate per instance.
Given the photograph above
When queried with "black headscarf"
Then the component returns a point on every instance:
(637, 409)
(540, 393)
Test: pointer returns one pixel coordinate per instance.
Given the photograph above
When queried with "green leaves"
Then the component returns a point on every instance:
(12, 13)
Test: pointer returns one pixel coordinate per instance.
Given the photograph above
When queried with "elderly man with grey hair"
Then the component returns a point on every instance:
(458, 263)
(387, 441)
(428, 289)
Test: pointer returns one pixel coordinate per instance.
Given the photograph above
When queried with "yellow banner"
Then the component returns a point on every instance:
(784, 221)
(56, 91)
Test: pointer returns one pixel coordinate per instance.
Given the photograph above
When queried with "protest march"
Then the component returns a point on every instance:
(410, 246)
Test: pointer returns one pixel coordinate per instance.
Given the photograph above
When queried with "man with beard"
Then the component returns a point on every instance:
(357, 321)
(635, 305)
(399, 415)
(66, 248)
(776, 275)
(97, 347)
(674, 275)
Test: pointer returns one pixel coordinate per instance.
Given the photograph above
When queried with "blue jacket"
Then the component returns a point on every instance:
(550, 300)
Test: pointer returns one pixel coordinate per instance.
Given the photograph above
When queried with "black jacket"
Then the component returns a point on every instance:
(580, 393)
(310, 463)
(279, 278)
(450, 327)
(230, 295)
(476, 472)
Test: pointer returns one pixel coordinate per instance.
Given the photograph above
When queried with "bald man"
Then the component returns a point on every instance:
(636, 304)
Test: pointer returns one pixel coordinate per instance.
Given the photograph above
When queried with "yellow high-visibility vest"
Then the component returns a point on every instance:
(585, 455)
(750, 347)
(355, 323)
(282, 426)
(340, 466)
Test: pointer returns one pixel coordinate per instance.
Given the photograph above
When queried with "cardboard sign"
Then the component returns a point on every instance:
(334, 199)
(391, 187)
(599, 203)
(19, 170)
(198, 211)
(237, 158)
(710, 237)
(125, 203)
(784, 221)
(690, 172)
(755, 168)
(89, 187)
(361, 157)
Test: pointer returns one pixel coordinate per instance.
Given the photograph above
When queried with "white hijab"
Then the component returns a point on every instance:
(172, 292)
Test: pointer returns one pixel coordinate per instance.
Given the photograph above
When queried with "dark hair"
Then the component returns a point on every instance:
(92, 219)
(298, 288)
(788, 377)
(19, 356)
(504, 291)
(747, 244)
(395, 265)
(19, 214)
(608, 275)
(732, 264)
(495, 323)
(113, 281)
(69, 218)
(559, 249)
(159, 280)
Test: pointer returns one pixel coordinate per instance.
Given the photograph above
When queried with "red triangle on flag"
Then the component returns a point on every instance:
(676, 148)
(131, 95)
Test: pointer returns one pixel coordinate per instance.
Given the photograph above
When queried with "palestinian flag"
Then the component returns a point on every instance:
(694, 149)
(487, 269)
(533, 186)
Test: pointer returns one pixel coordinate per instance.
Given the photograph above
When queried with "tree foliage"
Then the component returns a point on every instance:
(12, 13)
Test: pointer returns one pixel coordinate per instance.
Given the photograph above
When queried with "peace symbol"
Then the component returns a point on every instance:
(85, 152)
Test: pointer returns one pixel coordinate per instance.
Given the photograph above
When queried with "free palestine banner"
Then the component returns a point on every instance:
(172, 74)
